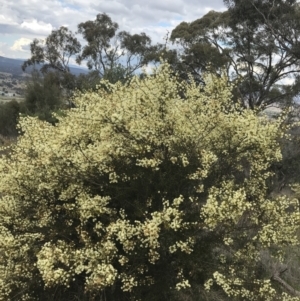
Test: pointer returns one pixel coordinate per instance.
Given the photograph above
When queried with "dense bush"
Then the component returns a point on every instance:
(43, 95)
(9, 114)
(151, 190)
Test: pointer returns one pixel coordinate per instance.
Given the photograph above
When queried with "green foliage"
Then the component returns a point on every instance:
(9, 115)
(86, 82)
(43, 95)
(251, 43)
(55, 52)
(118, 73)
(200, 53)
(106, 48)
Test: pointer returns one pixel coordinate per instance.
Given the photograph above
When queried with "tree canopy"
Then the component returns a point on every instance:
(107, 49)
(254, 41)
(55, 52)
(43, 95)
(110, 54)
(152, 190)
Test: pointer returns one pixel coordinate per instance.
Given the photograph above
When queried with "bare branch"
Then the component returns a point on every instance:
(276, 277)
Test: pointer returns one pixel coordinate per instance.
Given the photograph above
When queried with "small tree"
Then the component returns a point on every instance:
(54, 55)
(55, 52)
(43, 95)
(9, 114)
(113, 53)
(152, 190)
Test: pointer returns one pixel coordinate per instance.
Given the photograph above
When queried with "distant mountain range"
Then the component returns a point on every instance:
(13, 66)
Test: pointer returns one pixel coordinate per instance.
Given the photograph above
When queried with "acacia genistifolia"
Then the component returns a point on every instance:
(139, 193)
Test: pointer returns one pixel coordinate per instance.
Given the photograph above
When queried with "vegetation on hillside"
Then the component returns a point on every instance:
(167, 186)
(153, 190)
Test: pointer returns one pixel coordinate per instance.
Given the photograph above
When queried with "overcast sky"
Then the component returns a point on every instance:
(23, 20)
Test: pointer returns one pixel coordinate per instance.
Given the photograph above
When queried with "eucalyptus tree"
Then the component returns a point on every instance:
(55, 52)
(250, 42)
(108, 49)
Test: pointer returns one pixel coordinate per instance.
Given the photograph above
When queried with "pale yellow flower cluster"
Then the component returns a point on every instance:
(137, 175)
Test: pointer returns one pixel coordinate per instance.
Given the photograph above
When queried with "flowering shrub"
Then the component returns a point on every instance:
(143, 190)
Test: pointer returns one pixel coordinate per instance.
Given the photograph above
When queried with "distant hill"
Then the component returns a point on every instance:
(13, 66)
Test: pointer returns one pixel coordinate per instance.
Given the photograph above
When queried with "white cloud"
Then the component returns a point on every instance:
(37, 26)
(149, 69)
(287, 81)
(36, 19)
(18, 44)
(6, 19)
